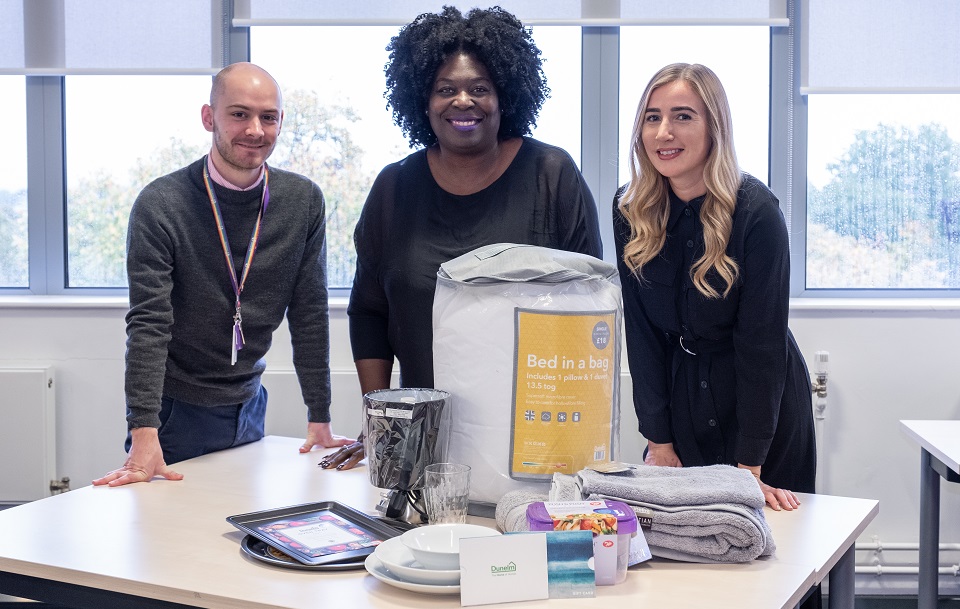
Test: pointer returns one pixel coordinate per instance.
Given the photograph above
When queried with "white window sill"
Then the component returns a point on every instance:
(93, 302)
(340, 303)
(875, 304)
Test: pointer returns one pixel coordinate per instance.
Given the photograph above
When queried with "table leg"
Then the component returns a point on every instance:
(929, 558)
(843, 581)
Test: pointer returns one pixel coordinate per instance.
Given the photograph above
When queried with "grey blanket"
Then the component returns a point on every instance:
(701, 514)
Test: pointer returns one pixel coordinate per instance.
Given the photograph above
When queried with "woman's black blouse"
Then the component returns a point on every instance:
(722, 379)
(409, 226)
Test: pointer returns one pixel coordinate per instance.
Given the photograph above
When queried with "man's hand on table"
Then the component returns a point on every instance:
(321, 434)
(144, 461)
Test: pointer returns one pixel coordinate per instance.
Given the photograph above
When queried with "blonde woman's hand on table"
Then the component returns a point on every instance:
(776, 498)
(661, 454)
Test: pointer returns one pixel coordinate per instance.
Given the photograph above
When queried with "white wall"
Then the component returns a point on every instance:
(886, 364)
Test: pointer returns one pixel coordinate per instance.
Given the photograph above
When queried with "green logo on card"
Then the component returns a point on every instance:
(510, 567)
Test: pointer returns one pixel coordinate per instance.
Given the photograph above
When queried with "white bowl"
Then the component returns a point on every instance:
(399, 560)
(437, 546)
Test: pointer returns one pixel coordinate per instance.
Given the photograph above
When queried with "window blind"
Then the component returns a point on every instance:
(64, 37)
(705, 12)
(11, 33)
(532, 12)
(865, 46)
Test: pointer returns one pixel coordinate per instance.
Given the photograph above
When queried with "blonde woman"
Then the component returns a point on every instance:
(705, 265)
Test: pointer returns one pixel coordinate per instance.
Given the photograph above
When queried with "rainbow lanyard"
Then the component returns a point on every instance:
(237, 341)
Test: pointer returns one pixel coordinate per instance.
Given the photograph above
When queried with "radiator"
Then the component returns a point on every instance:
(27, 433)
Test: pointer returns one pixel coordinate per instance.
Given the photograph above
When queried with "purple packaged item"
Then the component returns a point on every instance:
(613, 524)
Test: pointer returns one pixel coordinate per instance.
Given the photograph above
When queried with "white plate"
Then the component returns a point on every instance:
(376, 569)
(399, 560)
(437, 546)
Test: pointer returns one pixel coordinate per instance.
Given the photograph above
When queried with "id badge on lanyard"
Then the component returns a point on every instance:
(236, 333)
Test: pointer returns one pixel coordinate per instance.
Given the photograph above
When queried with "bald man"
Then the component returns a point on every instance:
(218, 252)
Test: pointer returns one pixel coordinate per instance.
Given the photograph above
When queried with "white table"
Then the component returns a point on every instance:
(164, 545)
(823, 532)
(939, 458)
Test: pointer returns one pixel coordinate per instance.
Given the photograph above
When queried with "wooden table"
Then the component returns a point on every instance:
(163, 545)
(939, 458)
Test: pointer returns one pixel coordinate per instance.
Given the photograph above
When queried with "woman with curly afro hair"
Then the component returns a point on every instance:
(494, 38)
(465, 90)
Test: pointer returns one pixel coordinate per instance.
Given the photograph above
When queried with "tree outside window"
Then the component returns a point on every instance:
(886, 211)
(315, 141)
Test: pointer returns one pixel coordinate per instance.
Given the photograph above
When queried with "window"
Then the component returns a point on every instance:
(743, 68)
(883, 192)
(76, 229)
(122, 132)
(561, 51)
(336, 128)
(13, 185)
(882, 186)
(338, 131)
(864, 152)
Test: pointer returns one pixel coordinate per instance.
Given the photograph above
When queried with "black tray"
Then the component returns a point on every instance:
(259, 550)
(357, 533)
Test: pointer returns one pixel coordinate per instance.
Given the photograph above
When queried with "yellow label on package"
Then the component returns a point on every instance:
(564, 388)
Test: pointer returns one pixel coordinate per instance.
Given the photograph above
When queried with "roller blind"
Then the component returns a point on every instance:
(865, 46)
(111, 37)
(531, 12)
(705, 12)
(11, 33)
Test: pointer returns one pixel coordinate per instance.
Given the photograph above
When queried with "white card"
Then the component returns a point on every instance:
(639, 550)
(502, 569)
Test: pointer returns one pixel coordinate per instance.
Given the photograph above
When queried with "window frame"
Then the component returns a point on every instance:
(46, 189)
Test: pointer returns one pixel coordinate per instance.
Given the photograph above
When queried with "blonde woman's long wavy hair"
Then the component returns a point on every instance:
(646, 201)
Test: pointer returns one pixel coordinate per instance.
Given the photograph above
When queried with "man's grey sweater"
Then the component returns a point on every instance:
(180, 323)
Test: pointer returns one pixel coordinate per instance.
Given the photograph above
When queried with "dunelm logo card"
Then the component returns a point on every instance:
(502, 569)
(526, 566)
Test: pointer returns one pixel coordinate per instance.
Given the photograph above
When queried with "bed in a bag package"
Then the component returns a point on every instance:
(527, 341)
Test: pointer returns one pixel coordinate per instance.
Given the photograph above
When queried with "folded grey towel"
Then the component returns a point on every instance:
(511, 513)
(677, 485)
(701, 514)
